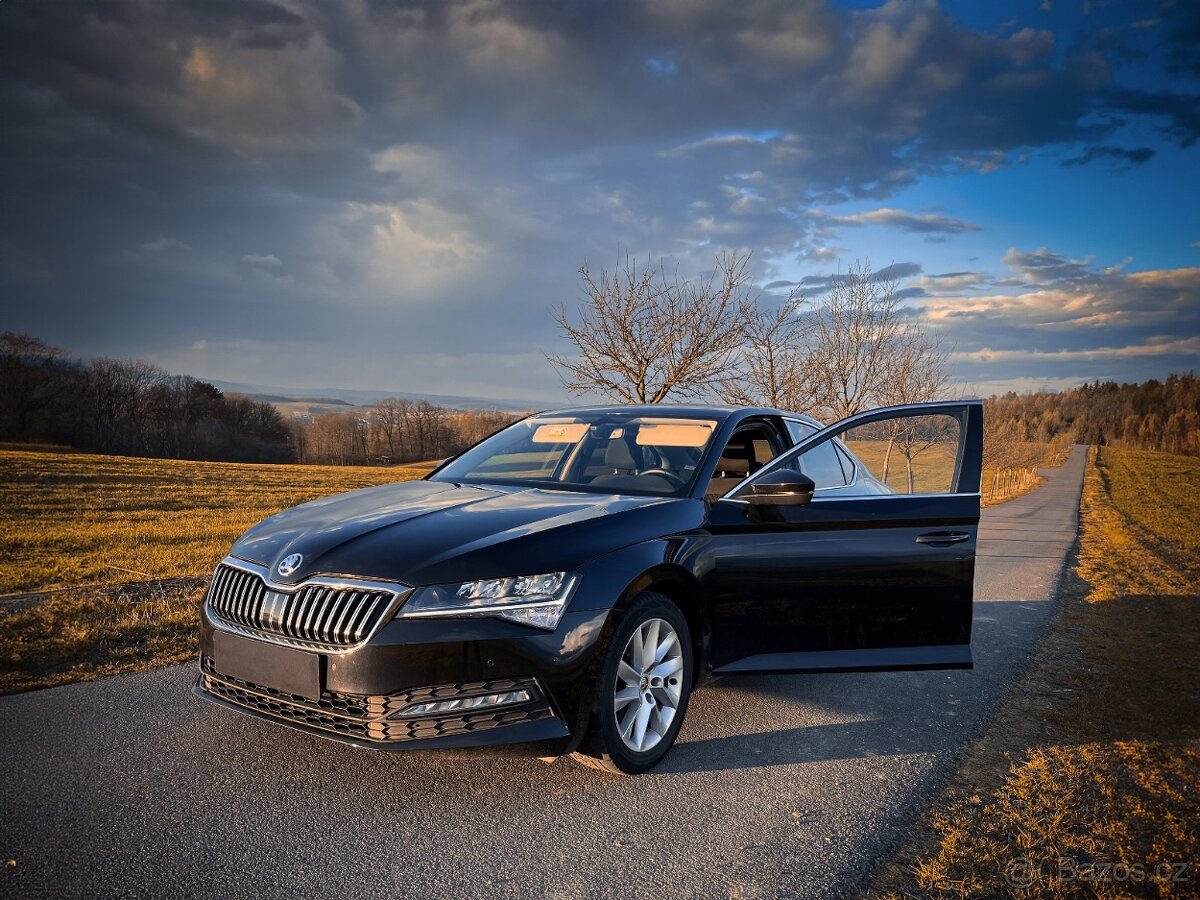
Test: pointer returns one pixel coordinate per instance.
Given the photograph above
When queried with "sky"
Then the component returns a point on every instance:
(396, 196)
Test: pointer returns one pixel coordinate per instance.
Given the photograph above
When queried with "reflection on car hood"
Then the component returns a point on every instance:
(426, 532)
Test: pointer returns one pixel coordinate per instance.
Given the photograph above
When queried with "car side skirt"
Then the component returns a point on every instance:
(883, 659)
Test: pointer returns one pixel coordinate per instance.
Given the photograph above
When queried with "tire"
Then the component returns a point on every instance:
(633, 726)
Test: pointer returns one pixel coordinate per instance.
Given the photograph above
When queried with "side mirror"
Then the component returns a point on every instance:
(783, 487)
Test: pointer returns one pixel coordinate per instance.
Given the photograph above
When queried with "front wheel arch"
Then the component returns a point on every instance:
(681, 588)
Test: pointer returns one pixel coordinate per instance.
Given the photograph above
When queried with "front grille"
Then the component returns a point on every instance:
(317, 614)
(366, 716)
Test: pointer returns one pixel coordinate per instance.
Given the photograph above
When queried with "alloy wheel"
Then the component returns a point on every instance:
(648, 685)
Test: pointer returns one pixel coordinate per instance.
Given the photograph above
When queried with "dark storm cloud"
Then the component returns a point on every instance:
(1183, 42)
(1136, 156)
(811, 286)
(395, 193)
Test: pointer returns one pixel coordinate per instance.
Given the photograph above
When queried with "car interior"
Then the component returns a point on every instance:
(748, 450)
(623, 459)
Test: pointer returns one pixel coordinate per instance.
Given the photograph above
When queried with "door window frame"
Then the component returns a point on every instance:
(968, 466)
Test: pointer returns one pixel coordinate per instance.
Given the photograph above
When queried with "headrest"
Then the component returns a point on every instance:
(738, 451)
(730, 466)
(619, 455)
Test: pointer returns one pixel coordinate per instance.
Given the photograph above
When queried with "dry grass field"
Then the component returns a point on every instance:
(933, 468)
(72, 519)
(99, 529)
(1088, 782)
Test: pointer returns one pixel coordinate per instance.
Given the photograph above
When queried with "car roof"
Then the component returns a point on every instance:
(720, 412)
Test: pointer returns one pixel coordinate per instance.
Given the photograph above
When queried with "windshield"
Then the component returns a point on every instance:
(607, 453)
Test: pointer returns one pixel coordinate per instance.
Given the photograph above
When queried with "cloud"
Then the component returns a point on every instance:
(1177, 114)
(1158, 346)
(822, 254)
(495, 41)
(1069, 316)
(735, 139)
(1043, 266)
(920, 223)
(816, 285)
(409, 247)
(434, 172)
(1134, 157)
(949, 282)
(897, 271)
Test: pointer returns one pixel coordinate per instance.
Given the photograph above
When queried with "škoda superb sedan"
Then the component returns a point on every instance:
(568, 581)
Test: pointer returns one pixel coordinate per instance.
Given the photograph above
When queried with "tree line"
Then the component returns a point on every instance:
(393, 430)
(135, 408)
(1154, 415)
(129, 407)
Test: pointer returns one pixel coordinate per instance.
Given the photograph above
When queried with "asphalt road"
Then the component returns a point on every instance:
(779, 786)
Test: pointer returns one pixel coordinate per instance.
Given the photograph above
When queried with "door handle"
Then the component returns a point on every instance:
(943, 537)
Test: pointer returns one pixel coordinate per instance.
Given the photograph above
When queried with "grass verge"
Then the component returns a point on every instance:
(1088, 781)
(87, 633)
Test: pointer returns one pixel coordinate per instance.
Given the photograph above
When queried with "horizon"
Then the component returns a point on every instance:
(289, 193)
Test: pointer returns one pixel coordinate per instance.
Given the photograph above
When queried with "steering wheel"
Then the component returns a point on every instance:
(670, 476)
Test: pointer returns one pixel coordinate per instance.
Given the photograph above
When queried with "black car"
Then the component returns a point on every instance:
(570, 579)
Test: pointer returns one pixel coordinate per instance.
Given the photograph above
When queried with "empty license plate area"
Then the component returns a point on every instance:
(269, 665)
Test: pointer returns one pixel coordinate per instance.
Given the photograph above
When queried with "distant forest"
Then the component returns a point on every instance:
(1156, 415)
(135, 408)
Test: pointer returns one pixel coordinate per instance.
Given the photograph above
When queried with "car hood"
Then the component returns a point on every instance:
(428, 532)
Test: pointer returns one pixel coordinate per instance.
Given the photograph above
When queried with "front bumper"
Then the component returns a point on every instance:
(414, 661)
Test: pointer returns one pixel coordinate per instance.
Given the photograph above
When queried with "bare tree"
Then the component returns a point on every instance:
(119, 389)
(641, 336)
(914, 372)
(854, 338)
(28, 381)
(770, 368)
(387, 419)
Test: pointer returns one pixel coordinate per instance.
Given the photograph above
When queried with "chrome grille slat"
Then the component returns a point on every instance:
(336, 633)
(235, 596)
(321, 622)
(214, 587)
(330, 616)
(243, 606)
(258, 597)
(296, 609)
(364, 620)
(232, 589)
(351, 622)
(306, 629)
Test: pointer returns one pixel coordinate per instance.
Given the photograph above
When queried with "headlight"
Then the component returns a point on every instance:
(536, 600)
